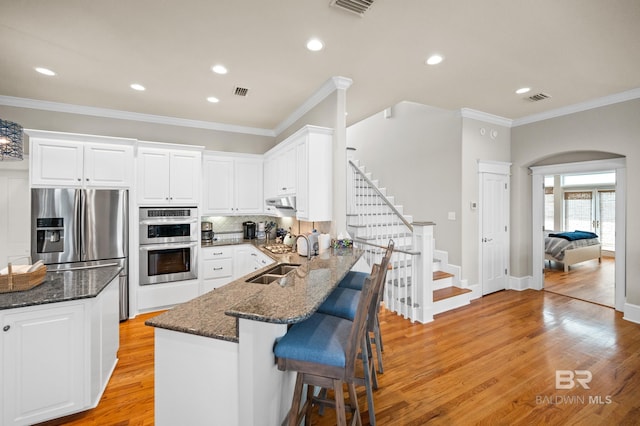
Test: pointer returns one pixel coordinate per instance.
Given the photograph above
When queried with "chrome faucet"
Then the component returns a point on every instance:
(308, 247)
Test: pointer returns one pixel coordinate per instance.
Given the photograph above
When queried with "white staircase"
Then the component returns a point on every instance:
(372, 219)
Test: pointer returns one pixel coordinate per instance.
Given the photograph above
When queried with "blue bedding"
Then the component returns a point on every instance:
(576, 235)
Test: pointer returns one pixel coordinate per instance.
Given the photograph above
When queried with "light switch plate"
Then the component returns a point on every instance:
(452, 216)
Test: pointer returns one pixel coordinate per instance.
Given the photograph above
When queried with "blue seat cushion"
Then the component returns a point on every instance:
(342, 302)
(354, 280)
(320, 338)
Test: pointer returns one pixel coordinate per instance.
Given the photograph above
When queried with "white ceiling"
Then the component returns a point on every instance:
(573, 50)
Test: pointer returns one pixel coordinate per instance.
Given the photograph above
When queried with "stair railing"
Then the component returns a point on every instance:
(408, 290)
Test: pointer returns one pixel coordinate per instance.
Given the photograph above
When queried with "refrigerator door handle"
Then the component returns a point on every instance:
(79, 222)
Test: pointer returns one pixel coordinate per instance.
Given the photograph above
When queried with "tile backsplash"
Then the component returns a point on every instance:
(230, 227)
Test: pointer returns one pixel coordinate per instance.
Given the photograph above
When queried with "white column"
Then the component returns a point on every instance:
(422, 270)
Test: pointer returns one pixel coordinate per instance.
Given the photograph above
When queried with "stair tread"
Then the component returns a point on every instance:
(441, 275)
(448, 292)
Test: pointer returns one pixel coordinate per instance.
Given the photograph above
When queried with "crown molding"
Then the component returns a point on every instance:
(485, 117)
(133, 116)
(582, 106)
(329, 86)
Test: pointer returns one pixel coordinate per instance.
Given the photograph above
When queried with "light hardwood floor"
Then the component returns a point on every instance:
(492, 362)
(591, 281)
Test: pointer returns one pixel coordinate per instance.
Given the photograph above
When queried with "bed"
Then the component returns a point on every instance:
(571, 248)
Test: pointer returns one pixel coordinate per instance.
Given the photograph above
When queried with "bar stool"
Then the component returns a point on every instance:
(343, 302)
(323, 350)
(339, 303)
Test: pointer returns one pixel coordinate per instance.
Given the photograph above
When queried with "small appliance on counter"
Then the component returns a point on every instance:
(249, 230)
(206, 230)
(261, 231)
(312, 238)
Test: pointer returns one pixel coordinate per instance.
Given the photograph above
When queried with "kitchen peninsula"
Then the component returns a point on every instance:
(214, 361)
(59, 345)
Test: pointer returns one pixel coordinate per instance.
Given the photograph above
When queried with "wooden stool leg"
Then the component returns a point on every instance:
(295, 404)
(307, 416)
(341, 417)
(353, 401)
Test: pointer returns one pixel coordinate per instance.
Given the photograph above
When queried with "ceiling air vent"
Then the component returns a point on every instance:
(355, 6)
(538, 97)
(240, 91)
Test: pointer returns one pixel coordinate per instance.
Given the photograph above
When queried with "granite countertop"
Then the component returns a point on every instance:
(61, 287)
(288, 300)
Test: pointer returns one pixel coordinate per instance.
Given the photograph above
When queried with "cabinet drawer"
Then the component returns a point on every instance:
(218, 268)
(217, 252)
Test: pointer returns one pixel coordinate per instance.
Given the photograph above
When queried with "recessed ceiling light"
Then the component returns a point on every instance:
(138, 87)
(219, 69)
(45, 71)
(434, 60)
(315, 45)
(522, 90)
(213, 99)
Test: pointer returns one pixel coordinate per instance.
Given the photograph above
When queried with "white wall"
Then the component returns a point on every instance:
(15, 219)
(481, 141)
(415, 154)
(614, 129)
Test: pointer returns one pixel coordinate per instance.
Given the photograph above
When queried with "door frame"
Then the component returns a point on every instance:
(499, 168)
(537, 219)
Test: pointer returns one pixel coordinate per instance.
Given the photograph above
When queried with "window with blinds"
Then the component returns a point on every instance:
(549, 208)
(578, 210)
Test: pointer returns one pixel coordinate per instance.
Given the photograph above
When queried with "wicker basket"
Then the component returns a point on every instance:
(21, 282)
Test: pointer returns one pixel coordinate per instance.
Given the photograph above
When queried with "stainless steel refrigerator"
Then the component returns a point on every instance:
(82, 228)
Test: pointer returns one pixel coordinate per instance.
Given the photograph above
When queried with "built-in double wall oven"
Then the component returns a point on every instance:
(168, 244)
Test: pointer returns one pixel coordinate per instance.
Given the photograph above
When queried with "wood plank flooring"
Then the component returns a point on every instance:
(591, 281)
(491, 362)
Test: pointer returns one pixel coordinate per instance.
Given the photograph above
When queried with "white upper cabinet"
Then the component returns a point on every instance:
(233, 185)
(302, 165)
(286, 172)
(314, 200)
(168, 176)
(77, 163)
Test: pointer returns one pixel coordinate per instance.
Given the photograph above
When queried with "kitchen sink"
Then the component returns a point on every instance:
(265, 279)
(282, 269)
(273, 274)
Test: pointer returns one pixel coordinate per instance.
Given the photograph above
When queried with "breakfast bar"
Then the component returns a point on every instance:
(214, 361)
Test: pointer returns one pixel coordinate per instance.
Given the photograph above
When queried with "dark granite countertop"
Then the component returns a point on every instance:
(286, 301)
(61, 287)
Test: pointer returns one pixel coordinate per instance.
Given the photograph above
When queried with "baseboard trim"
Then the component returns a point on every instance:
(632, 313)
(519, 283)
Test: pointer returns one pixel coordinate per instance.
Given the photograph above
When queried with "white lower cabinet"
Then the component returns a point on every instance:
(217, 267)
(56, 359)
(223, 264)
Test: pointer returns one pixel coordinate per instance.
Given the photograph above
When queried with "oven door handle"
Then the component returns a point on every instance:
(169, 221)
(167, 246)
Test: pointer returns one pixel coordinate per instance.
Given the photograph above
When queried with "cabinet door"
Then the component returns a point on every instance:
(57, 163)
(185, 178)
(153, 176)
(218, 185)
(270, 178)
(286, 172)
(242, 261)
(43, 364)
(248, 186)
(108, 165)
(302, 195)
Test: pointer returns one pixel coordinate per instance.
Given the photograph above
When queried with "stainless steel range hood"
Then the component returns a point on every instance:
(283, 203)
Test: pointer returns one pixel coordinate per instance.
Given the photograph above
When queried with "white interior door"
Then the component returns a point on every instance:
(494, 232)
